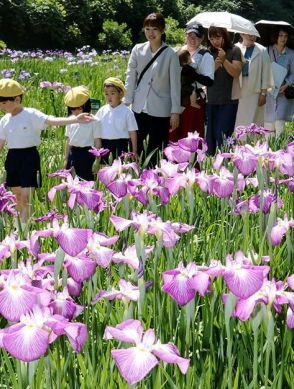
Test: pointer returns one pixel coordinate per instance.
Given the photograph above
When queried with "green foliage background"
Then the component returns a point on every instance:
(67, 24)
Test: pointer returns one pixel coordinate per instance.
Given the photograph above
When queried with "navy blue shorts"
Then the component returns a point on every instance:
(23, 168)
(115, 146)
(82, 161)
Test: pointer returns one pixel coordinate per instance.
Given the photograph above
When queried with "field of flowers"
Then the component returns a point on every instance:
(181, 276)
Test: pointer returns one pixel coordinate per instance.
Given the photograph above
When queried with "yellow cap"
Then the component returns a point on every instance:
(10, 88)
(116, 82)
(77, 96)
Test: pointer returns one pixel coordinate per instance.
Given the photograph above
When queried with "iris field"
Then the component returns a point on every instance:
(181, 276)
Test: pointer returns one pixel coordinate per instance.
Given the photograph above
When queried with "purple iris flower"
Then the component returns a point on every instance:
(269, 198)
(222, 185)
(130, 257)
(136, 362)
(149, 223)
(280, 229)
(29, 339)
(18, 297)
(98, 152)
(98, 248)
(62, 304)
(108, 174)
(174, 153)
(242, 277)
(127, 291)
(80, 192)
(182, 283)
(242, 131)
(7, 201)
(71, 240)
(270, 293)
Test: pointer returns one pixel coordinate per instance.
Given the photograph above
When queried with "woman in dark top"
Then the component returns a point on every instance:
(221, 108)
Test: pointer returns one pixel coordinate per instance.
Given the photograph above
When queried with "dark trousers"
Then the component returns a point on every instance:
(115, 147)
(156, 129)
(82, 161)
(221, 120)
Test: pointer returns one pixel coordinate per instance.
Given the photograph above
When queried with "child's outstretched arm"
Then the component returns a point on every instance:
(133, 136)
(81, 118)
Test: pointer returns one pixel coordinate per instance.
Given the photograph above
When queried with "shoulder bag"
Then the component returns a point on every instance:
(150, 63)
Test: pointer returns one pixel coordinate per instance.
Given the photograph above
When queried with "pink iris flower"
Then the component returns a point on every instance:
(126, 291)
(280, 229)
(98, 250)
(98, 152)
(175, 153)
(149, 223)
(9, 245)
(181, 180)
(71, 240)
(242, 131)
(62, 304)
(222, 185)
(149, 183)
(194, 143)
(169, 169)
(269, 198)
(79, 267)
(182, 283)
(270, 293)
(136, 362)
(242, 277)
(17, 296)
(81, 192)
(7, 201)
(108, 174)
(29, 339)
(130, 257)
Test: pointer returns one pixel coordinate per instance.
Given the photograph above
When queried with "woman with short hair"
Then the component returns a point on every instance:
(153, 86)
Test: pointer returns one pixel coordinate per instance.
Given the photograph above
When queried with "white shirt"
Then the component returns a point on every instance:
(24, 129)
(116, 122)
(203, 64)
(83, 134)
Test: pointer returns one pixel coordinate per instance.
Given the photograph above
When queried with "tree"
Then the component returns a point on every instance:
(114, 36)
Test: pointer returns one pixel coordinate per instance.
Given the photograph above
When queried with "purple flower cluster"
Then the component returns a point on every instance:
(7, 201)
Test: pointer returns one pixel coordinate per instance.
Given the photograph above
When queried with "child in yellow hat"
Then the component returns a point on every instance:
(20, 130)
(80, 137)
(118, 123)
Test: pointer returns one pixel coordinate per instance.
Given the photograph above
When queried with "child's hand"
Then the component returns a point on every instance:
(85, 117)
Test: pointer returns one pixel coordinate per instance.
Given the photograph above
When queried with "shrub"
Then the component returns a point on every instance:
(114, 36)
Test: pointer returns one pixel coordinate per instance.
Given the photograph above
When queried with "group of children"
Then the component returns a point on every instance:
(113, 126)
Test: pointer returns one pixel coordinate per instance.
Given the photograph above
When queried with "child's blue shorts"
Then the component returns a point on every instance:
(23, 168)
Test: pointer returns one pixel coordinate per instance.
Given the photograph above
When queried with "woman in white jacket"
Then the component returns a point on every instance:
(255, 80)
(156, 98)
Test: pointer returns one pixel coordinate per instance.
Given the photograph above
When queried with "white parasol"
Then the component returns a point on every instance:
(231, 22)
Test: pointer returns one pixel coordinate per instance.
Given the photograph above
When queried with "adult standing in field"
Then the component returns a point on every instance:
(255, 80)
(153, 86)
(221, 107)
(278, 108)
(193, 118)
